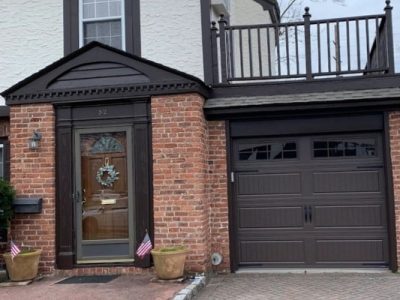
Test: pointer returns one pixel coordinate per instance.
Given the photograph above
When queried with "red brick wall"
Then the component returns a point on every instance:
(179, 137)
(218, 192)
(394, 127)
(33, 175)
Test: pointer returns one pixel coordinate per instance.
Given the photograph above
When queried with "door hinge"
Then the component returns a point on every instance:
(232, 177)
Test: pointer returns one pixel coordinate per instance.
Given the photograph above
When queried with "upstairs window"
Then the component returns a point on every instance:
(102, 21)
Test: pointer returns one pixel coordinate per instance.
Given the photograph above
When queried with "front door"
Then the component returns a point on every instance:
(104, 196)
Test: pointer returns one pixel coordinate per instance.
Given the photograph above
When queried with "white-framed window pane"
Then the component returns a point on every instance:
(93, 9)
(106, 32)
(102, 10)
(88, 10)
(115, 8)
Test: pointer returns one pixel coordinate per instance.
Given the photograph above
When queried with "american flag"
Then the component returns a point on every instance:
(145, 247)
(14, 250)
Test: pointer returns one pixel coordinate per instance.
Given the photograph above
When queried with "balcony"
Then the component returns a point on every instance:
(306, 50)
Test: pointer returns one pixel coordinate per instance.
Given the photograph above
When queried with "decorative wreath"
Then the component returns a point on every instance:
(111, 177)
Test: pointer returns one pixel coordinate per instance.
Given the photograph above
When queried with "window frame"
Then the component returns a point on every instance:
(131, 26)
(2, 161)
(102, 19)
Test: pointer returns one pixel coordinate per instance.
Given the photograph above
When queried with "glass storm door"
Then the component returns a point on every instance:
(104, 204)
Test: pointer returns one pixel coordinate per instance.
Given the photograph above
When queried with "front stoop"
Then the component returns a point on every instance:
(192, 289)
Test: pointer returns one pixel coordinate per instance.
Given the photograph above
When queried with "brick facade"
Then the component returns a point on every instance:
(394, 127)
(190, 185)
(180, 176)
(218, 192)
(33, 175)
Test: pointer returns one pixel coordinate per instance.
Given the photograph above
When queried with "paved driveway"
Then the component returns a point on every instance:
(132, 287)
(303, 286)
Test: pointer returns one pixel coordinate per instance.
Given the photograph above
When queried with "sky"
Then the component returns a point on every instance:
(322, 9)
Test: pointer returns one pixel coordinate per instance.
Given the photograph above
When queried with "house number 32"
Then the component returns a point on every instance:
(102, 112)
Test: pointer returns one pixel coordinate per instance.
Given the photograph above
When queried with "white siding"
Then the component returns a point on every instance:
(171, 34)
(31, 37)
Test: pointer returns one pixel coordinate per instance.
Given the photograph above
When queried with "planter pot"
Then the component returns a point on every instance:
(169, 262)
(24, 266)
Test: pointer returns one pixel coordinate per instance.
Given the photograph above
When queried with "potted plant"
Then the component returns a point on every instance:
(24, 266)
(7, 196)
(169, 262)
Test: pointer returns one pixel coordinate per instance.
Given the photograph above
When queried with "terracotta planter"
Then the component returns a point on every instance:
(24, 266)
(169, 262)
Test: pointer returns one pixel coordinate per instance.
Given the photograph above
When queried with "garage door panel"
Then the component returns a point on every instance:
(349, 216)
(272, 217)
(272, 251)
(270, 184)
(346, 182)
(324, 208)
(351, 251)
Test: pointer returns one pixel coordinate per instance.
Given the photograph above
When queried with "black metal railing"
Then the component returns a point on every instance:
(303, 50)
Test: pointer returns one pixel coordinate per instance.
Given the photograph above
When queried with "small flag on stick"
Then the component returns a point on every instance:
(145, 247)
(14, 250)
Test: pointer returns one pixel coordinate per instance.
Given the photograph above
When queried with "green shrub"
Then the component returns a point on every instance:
(7, 195)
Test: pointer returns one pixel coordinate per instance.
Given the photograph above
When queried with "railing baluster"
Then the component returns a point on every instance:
(319, 46)
(348, 45)
(250, 52)
(278, 49)
(297, 50)
(337, 48)
(269, 53)
(287, 50)
(328, 38)
(358, 45)
(259, 53)
(231, 53)
(222, 46)
(241, 52)
(307, 41)
(377, 44)
(368, 50)
(389, 37)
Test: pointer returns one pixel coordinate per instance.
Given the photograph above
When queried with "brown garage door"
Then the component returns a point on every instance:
(316, 201)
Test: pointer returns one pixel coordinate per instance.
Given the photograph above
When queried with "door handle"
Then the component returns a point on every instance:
(310, 213)
(77, 197)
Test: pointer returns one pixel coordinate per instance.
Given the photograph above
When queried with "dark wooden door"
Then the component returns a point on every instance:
(104, 206)
(316, 201)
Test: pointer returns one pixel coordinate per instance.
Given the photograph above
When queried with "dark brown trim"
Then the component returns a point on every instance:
(306, 108)
(301, 125)
(231, 202)
(101, 93)
(206, 32)
(134, 113)
(132, 26)
(391, 216)
(303, 86)
(6, 157)
(71, 26)
(65, 213)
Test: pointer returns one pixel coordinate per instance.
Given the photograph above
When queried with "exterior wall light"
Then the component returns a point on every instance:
(33, 143)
